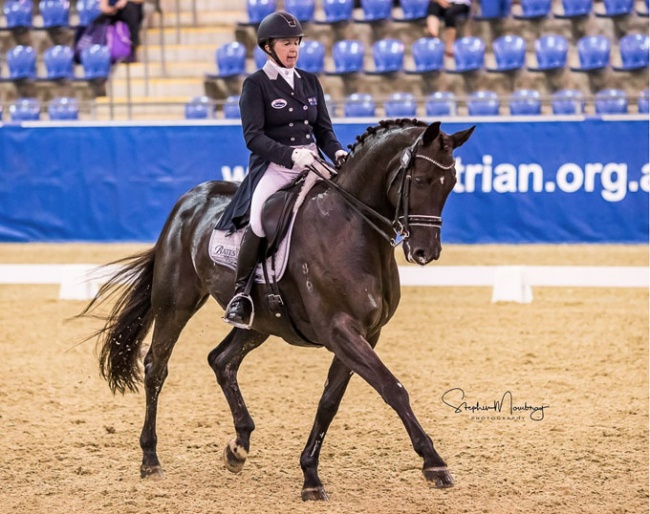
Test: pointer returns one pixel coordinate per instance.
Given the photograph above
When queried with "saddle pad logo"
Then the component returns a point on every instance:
(312, 100)
(279, 103)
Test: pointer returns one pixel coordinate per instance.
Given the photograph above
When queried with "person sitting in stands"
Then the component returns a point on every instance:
(449, 11)
(130, 12)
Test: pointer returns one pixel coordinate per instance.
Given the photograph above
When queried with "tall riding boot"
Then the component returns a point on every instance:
(240, 309)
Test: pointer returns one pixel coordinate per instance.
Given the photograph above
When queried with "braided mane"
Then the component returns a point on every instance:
(385, 125)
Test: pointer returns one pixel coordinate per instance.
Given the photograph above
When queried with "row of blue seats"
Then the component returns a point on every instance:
(29, 109)
(59, 63)
(479, 103)
(19, 14)
(336, 11)
(551, 51)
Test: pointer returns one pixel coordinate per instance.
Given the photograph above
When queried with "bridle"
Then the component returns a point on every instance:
(402, 220)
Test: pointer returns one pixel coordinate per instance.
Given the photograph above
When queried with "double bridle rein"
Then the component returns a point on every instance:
(402, 220)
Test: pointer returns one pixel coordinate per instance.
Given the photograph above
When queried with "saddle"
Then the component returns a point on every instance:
(278, 212)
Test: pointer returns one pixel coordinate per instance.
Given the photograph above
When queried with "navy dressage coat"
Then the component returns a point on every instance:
(276, 118)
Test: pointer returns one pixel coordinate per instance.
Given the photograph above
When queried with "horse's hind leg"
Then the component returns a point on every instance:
(337, 382)
(225, 360)
(172, 314)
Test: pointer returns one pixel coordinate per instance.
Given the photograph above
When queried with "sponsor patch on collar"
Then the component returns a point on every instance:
(279, 103)
(312, 100)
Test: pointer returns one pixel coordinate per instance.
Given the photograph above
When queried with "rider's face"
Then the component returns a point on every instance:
(287, 50)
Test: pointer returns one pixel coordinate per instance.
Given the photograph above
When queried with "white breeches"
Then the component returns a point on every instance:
(275, 178)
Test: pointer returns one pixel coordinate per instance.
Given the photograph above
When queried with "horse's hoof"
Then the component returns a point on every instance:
(440, 478)
(234, 457)
(314, 494)
(151, 472)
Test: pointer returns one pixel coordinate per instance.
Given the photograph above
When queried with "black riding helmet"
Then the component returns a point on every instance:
(277, 25)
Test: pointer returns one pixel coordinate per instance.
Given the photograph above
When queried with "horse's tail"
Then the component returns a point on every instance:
(128, 323)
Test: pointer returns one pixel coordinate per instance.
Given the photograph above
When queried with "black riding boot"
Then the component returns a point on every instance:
(240, 309)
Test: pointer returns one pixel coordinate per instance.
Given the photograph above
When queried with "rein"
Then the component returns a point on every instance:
(400, 225)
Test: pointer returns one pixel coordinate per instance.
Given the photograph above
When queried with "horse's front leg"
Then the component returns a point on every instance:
(353, 349)
(225, 360)
(335, 386)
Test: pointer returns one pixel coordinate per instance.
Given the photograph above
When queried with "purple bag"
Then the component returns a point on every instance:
(118, 40)
(93, 34)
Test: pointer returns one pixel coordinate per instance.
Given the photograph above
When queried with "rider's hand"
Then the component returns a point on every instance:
(339, 157)
(302, 157)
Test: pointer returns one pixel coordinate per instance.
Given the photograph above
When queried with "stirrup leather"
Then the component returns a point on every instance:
(239, 322)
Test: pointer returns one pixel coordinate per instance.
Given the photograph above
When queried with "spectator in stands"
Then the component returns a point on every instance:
(285, 124)
(448, 11)
(130, 12)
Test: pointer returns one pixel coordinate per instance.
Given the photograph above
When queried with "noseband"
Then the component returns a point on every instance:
(402, 222)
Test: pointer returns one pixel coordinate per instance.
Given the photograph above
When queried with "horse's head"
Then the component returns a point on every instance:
(428, 176)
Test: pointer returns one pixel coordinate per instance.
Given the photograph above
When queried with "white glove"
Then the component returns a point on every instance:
(339, 157)
(302, 157)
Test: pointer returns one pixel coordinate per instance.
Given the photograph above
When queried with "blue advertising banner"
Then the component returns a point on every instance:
(538, 181)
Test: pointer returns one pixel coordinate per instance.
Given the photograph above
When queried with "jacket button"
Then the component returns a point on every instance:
(308, 136)
(291, 124)
(304, 107)
(306, 122)
(290, 109)
(293, 139)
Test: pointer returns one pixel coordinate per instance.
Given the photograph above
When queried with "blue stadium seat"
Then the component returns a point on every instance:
(301, 9)
(568, 101)
(428, 55)
(59, 62)
(525, 102)
(359, 105)
(63, 108)
(388, 56)
(400, 105)
(231, 108)
(260, 57)
(441, 103)
(611, 101)
(551, 52)
(231, 60)
(575, 9)
(337, 11)
(412, 10)
(18, 13)
(96, 62)
(616, 8)
(493, 10)
(634, 50)
(348, 56)
(21, 61)
(644, 102)
(87, 10)
(375, 10)
(199, 108)
(593, 53)
(469, 55)
(258, 9)
(533, 9)
(25, 109)
(509, 53)
(483, 103)
(312, 56)
(55, 13)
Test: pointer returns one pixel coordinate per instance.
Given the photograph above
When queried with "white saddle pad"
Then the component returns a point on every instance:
(224, 250)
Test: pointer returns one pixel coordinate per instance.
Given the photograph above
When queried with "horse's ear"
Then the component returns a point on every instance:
(460, 137)
(431, 133)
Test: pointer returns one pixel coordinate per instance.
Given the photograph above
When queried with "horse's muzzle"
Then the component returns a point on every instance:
(425, 252)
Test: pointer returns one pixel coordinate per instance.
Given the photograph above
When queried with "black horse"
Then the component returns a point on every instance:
(341, 286)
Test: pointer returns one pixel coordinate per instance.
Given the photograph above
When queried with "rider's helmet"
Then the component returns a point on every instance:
(278, 25)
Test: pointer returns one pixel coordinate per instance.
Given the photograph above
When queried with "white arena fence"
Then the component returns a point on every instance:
(508, 283)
